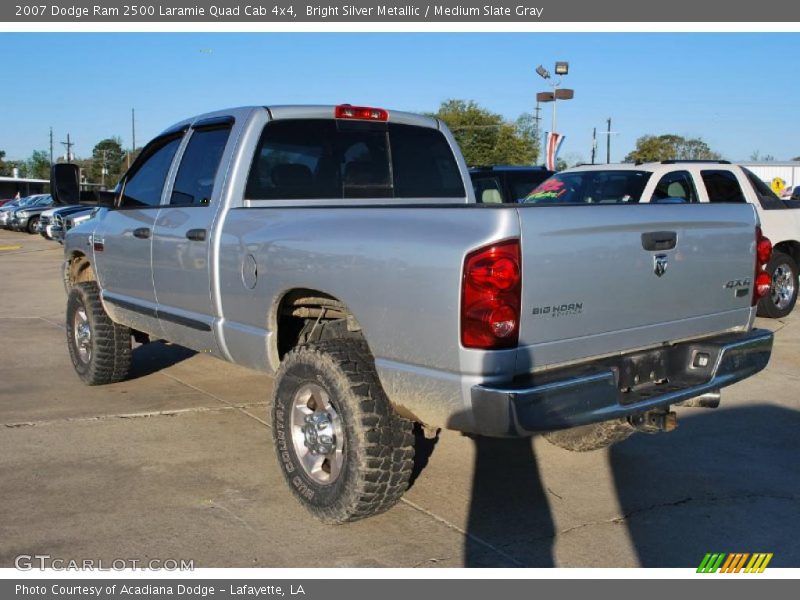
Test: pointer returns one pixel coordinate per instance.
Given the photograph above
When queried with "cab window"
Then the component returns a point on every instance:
(144, 186)
(678, 185)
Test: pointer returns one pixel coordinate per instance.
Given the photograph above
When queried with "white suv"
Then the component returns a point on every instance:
(673, 181)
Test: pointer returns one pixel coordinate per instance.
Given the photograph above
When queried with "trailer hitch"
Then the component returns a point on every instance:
(654, 421)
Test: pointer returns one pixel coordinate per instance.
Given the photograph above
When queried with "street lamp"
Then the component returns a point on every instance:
(561, 69)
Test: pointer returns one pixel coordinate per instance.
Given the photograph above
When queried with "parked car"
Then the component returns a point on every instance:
(47, 219)
(4, 201)
(341, 249)
(795, 193)
(64, 222)
(689, 182)
(25, 218)
(506, 184)
(7, 211)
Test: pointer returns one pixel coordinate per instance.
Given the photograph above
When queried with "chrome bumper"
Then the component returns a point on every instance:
(619, 387)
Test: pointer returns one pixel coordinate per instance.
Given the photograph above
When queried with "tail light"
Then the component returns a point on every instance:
(363, 113)
(763, 281)
(490, 297)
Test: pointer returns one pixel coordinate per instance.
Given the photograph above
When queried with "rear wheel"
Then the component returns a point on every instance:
(591, 437)
(32, 224)
(99, 348)
(783, 292)
(344, 452)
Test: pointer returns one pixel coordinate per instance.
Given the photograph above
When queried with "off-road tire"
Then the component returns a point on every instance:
(767, 306)
(591, 437)
(110, 343)
(31, 224)
(378, 453)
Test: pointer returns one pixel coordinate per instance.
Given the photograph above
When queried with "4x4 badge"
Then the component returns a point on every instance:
(660, 264)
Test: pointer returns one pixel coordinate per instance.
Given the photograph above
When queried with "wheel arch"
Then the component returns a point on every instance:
(78, 268)
(790, 247)
(299, 312)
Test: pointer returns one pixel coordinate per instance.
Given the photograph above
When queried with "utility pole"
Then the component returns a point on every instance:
(537, 128)
(104, 169)
(594, 143)
(133, 129)
(51, 146)
(68, 145)
(608, 141)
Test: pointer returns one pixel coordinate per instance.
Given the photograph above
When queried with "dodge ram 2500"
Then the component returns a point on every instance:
(342, 249)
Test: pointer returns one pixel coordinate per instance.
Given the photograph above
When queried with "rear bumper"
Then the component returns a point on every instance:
(621, 386)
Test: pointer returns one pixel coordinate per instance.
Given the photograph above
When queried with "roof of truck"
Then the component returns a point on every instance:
(300, 111)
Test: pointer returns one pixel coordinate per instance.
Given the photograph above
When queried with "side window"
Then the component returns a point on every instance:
(199, 164)
(144, 186)
(677, 184)
(766, 197)
(487, 190)
(722, 186)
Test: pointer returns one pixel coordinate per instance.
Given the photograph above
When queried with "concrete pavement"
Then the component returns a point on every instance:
(177, 463)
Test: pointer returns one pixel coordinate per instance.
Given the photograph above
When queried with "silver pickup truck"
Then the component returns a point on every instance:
(342, 249)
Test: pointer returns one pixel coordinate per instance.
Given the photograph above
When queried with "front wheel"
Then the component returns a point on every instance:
(783, 292)
(344, 452)
(34, 221)
(99, 348)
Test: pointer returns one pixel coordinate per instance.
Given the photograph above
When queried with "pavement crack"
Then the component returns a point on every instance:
(139, 415)
(218, 398)
(463, 532)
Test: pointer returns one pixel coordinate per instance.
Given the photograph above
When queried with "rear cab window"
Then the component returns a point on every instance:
(591, 187)
(722, 186)
(766, 197)
(318, 159)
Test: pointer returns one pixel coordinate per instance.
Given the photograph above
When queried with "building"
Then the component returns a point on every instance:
(10, 186)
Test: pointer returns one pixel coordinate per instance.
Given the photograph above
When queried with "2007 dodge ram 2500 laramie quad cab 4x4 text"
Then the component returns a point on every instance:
(342, 249)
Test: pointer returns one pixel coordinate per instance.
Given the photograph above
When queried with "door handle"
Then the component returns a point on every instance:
(659, 240)
(143, 233)
(196, 235)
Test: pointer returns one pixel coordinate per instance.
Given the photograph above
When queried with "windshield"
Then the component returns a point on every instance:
(522, 184)
(591, 187)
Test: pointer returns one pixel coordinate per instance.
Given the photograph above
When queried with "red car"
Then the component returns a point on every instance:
(3, 201)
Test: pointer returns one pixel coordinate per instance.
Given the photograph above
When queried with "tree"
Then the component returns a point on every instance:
(485, 138)
(756, 156)
(650, 148)
(38, 165)
(109, 155)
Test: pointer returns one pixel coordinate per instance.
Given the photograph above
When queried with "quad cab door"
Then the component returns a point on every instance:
(123, 236)
(182, 248)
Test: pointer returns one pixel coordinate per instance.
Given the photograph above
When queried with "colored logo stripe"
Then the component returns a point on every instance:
(734, 562)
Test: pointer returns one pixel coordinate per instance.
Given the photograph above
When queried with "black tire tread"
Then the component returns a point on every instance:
(385, 460)
(586, 438)
(766, 307)
(111, 352)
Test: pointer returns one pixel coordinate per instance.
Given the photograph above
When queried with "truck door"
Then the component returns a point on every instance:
(123, 236)
(182, 249)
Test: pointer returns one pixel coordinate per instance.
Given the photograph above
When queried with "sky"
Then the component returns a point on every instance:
(740, 92)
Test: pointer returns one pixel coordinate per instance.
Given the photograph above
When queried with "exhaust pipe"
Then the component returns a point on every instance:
(709, 400)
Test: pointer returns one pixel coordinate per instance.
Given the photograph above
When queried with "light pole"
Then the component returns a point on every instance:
(561, 69)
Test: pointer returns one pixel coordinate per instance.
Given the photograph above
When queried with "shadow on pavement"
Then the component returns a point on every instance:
(155, 356)
(727, 480)
(508, 508)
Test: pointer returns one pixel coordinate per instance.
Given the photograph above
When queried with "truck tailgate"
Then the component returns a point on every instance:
(591, 283)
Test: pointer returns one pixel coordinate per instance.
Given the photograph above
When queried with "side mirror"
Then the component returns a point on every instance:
(105, 198)
(65, 185)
